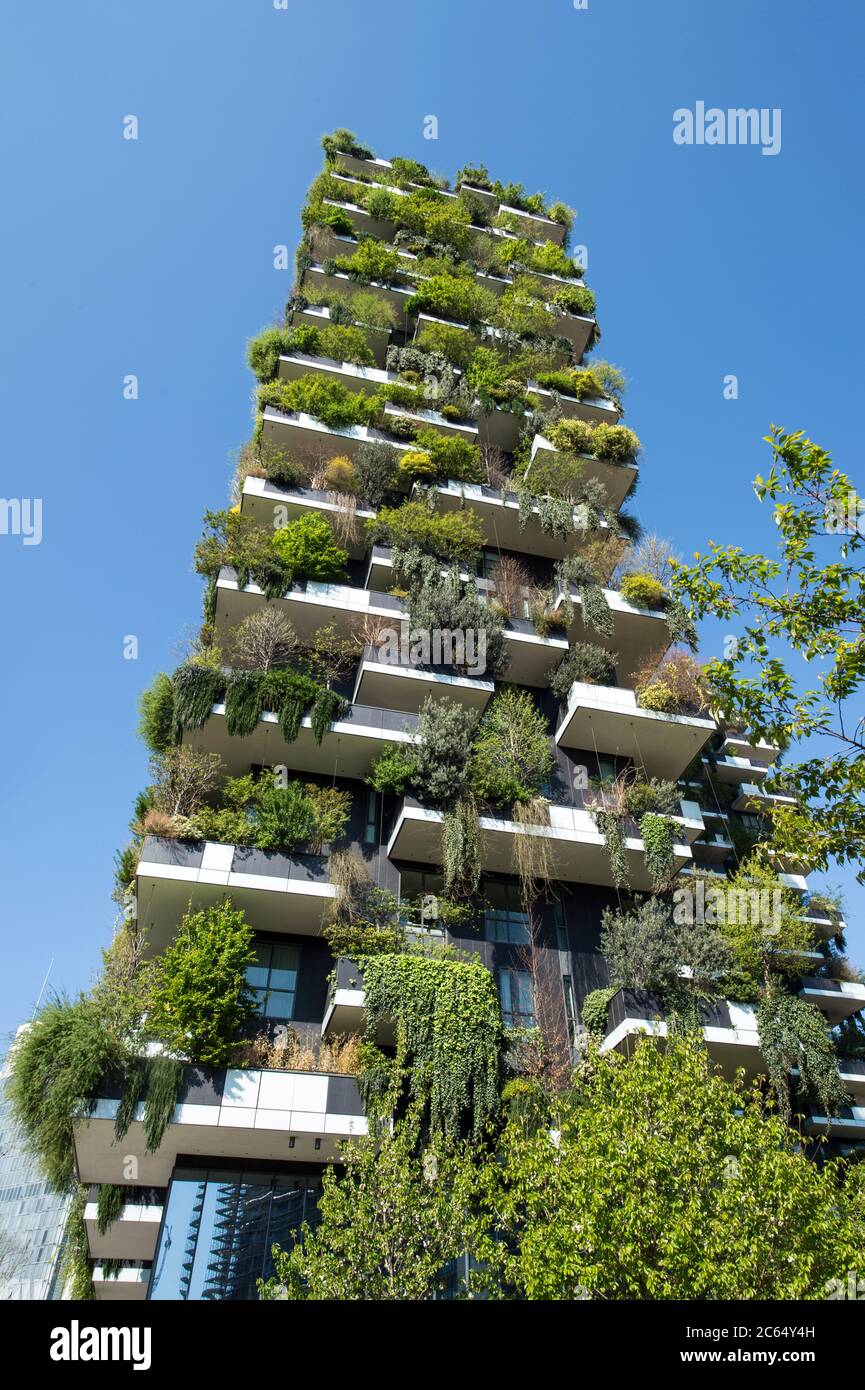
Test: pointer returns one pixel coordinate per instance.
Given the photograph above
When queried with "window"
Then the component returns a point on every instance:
(370, 829)
(418, 894)
(273, 978)
(570, 1006)
(504, 918)
(561, 926)
(517, 998)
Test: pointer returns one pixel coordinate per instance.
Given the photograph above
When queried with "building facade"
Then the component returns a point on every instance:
(32, 1216)
(438, 359)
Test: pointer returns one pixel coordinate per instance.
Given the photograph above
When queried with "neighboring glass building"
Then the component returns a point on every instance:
(32, 1217)
(219, 1228)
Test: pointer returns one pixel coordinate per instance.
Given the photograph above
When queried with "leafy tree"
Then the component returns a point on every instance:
(200, 998)
(646, 947)
(307, 547)
(442, 750)
(512, 758)
(389, 1224)
(451, 535)
(285, 816)
(765, 943)
(808, 603)
(156, 714)
(657, 1179)
(182, 779)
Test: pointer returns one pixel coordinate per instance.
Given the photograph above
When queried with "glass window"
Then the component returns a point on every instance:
(570, 1006)
(273, 978)
(504, 918)
(370, 829)
(417, 896)
(517, 998)
(561, 926)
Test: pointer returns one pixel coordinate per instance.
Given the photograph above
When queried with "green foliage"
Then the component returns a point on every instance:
(454, 297)
(657, 1156)
(657, 834)
(793, 1034)
(799, 612)
(377, 468)
(156, 714)
(55, 1070)
(164, 1079)
(239, 541)
(196, 690)
(448, 1036)
(572, 382)
(450, 535)
(461, 849)
(330, 812)
(456, 344)
(342, 342)
(613, 443)
(285, 819)
(75, 1270)
(442, 751)
(646, 947)
(610, 826)
(594, 608)
(388, 1225)
(595, 1008)
(652, 795)
(643, 591)
(343, 141)
(511, 758)
(444, 603)
(393, 770)
(264, 351)
(307, 548)
(200, 998)
(453, 457)
(373, 261)
(586, 662)
(764, 944)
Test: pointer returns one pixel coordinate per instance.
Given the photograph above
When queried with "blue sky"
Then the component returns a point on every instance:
(154, 257)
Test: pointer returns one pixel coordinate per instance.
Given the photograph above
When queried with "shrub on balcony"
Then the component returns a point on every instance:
(445, 340)
(239, 542)
(442, 751)
(646, 947)
(448, 1037)
(453, 457)
(393, 771)
(329, 401)
(581, 384)
(284, 817)
(675, 685)
(643, 591)
(612, 443)
(657, 833)
(574, 299)
(443, 603)
(448, 535)
(373, 261)
(454, 297)
(758, 956)
(340, 475)
(647, 795)
(586, 662)
(377, 469)
(307, 549)
(511, 759)
(417, 465)
(347, 307)
(343, 141)
(594, 607)
(200, 997)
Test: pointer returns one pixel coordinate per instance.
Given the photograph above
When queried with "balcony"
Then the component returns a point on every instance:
(353, 377)
(734, 770)
(307, 440)
(617, 478)
(349, 750)
(738, 746)
(308, 605)
(339, 283)
(596, 410)
(274, 506)
(753, 798)
(577, 848)
(500, 517)
(729, 1030)
(274, 1116)
(131, 1237)
(837, 999)
(129, 1285)
(318, 316)
(609, 720)
(389, 684)
(536, 226)
(638, 633)
(353, 164)
(344, 1012)
(278, 892)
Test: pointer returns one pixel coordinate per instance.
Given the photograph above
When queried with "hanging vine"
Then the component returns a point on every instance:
(610, 826)
(461, 849)
(449, 1038)
(573, 569)
(793, 1034)
(533, 851)
(656, 833)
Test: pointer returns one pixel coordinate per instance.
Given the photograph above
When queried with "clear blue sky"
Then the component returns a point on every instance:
(155, 258)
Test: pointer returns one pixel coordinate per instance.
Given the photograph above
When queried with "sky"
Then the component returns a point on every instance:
(154, 257)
